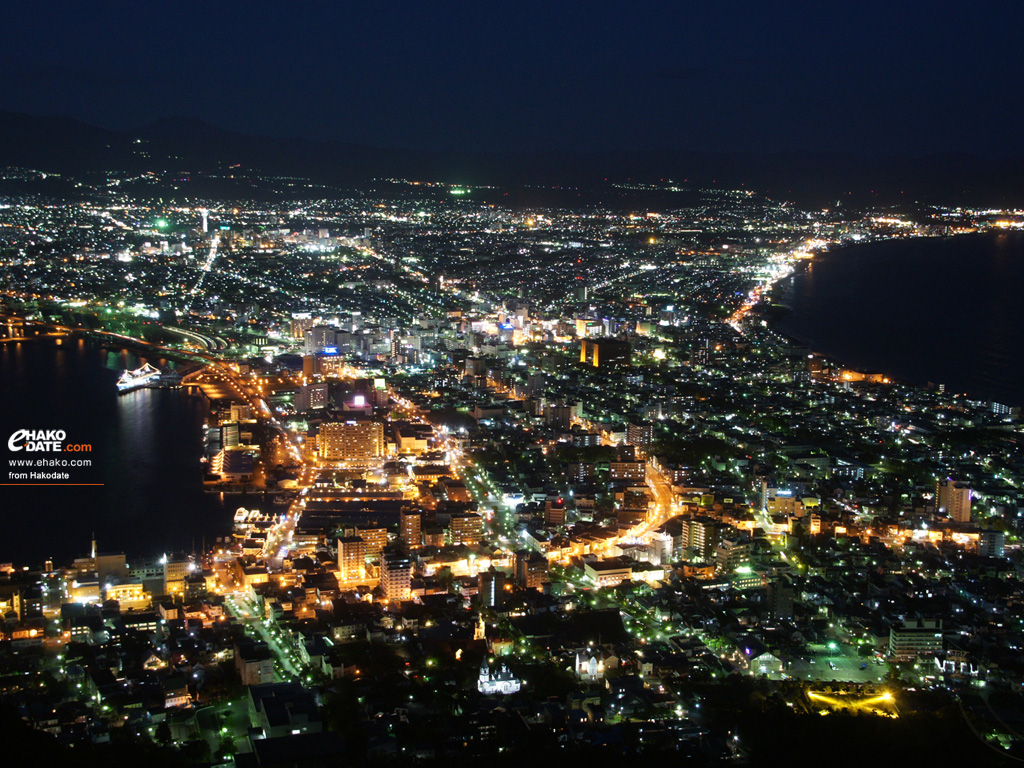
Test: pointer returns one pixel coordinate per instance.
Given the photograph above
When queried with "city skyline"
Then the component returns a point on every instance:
(506, 479)
(472, 383)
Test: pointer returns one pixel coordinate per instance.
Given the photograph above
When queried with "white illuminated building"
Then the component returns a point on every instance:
(589, 666)
(500, 681)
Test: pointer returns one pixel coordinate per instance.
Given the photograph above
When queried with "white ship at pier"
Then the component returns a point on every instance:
(140, 377)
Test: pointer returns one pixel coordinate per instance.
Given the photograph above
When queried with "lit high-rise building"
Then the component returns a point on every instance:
(992, 544)
(531, 569)
(465, 528)
(311, 397)
(554, 512)
(375, 536)
(705, 536)
(605, 353)
(410, 529)
(351, 559)
(352, 441)
(395, 576)
(731, 554)
(628, 470)
(916, 637)
(320, 338)
(779, 598)
(953, 499)
(301, 322)
(491, 587)
(640, 434)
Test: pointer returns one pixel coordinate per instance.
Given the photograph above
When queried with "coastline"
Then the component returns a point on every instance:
(783, 296)
(833, 361)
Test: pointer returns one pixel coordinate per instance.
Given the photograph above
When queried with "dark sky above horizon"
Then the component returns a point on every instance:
(868, 77)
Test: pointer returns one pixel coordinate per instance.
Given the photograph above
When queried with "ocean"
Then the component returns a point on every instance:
(924, 310)
(146, 447)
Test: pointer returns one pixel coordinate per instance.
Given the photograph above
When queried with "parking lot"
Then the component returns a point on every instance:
(833, 664)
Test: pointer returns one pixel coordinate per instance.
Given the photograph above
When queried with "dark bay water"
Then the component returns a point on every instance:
(925, 310)
(146, 447)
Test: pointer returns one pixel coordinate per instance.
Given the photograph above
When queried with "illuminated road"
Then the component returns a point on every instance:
(206, 341)
(211, 257)
(665, 506)
(664, 498)
(285, 656)
(226, 379)
(279, 537)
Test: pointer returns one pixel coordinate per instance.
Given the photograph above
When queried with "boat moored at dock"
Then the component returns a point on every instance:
(141, 377)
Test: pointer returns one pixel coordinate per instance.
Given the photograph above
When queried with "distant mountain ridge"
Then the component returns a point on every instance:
(66, 145)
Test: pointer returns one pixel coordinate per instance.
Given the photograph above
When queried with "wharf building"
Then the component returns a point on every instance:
(234, 464)
(176, 569)
(367, 513)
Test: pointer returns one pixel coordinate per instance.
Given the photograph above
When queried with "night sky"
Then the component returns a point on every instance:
(877, 78)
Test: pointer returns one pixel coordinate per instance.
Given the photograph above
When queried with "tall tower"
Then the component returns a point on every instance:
(206, 220)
